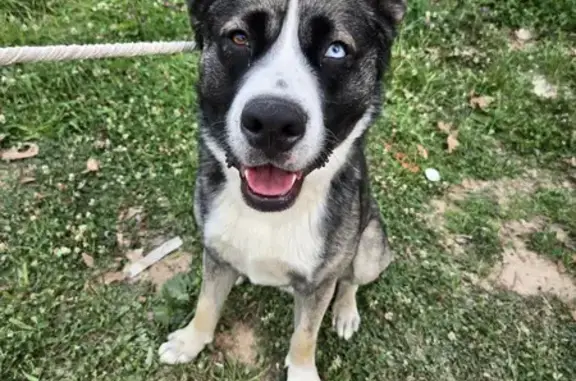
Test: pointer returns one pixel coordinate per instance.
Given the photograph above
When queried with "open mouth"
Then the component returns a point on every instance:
(270, 189)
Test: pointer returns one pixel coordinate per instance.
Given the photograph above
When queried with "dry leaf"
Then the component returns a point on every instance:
(14, 153)
(543, 88)
(573, 52)
(26, 180)
(88, 260)
(92, 165)
(387, 147)
(61, 187)
(410, 167)
(452, 141)
(574, 258)
(445, 127)
(401, 158)
(112, 277)
(422, 151)
(482, 102)
(573, 315)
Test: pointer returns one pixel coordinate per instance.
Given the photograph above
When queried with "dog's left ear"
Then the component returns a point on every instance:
(393, 9)
(197, 12)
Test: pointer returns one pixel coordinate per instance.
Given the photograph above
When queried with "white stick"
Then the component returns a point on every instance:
(154, 256)
(13, 55)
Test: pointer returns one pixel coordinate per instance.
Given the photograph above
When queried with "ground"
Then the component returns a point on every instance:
(483, 285)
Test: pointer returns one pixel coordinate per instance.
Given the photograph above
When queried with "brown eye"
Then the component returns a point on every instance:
(239, 38)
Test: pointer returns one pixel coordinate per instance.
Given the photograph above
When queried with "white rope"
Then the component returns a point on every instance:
(14, 55)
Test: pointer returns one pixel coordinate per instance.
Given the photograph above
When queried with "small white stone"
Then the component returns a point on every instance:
(432, 174)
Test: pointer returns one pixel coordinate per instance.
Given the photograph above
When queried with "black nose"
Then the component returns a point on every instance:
(273, 125)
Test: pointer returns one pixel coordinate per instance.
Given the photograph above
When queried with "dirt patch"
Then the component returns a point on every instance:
(238, 344)
(524, 271)
(521, 270)
(503, 191)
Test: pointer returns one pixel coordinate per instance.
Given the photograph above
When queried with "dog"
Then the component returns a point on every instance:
(287, 91)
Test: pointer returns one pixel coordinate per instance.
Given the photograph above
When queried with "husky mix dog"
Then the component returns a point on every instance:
(287, 92)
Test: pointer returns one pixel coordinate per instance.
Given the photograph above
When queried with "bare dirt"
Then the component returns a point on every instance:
(524, 271)
(521, 270)
(238, 344)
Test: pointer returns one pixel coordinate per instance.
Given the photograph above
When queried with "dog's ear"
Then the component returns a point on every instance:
(197, 13)
(394, 10)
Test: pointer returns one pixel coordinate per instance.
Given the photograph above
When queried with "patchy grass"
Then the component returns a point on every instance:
(424, 320)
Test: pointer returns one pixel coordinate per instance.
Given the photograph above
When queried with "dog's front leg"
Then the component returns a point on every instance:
(309, 310)
(184, 344)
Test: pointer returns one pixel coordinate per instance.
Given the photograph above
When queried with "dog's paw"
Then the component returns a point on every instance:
(182, 346)
(302, 374)
(345, 319)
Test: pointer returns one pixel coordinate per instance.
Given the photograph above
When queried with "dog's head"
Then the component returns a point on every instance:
(283, 83)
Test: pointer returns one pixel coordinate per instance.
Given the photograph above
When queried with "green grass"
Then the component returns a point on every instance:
(422, 321)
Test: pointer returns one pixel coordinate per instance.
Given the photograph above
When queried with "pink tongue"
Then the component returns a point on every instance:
(268, 180)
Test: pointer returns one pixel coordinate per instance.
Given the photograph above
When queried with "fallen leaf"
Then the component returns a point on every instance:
(482, 102)
(61, 187)
(387, 147)
(452, 141)
(573, 315)
(142, 299)
(402, 159)
(134, 255)
(544, 89)
(111, 277)
(574, 258)
(422, 151)
(92, 165)
(445, 127)
(30, 150)
(88, 260)
(410, 167)
(26, 180)
(523, 35)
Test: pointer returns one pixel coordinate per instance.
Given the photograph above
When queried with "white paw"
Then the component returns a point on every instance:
(296, 373)
(182, 346)
(302, 374)
(345, 320)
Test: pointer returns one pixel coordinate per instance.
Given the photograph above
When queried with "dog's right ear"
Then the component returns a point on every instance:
(197, 13)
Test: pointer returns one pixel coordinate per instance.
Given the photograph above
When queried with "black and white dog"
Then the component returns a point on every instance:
(287, 91)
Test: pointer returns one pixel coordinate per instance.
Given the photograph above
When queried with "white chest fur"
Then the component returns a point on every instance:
(266, 247)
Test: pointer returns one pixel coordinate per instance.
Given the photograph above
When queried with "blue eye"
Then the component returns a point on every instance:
(336, 50)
